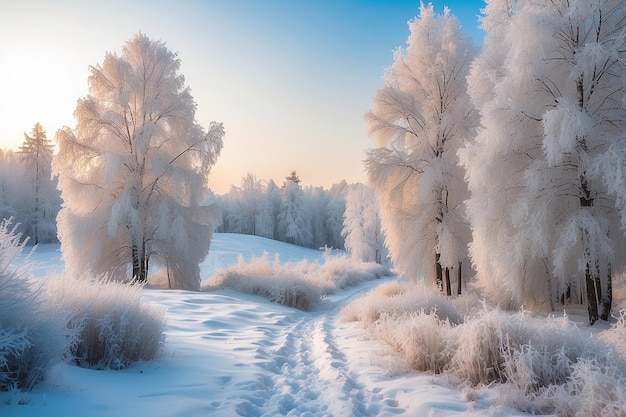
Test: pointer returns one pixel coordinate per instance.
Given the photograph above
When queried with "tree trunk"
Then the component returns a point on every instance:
(592, 281)
(136, 263)
(458, 279)
(140, 265)
(143, 277)
(607, 300)
(439, 272)
(592, 296)
(448, 286)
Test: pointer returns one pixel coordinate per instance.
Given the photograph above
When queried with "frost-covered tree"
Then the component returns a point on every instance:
(311, 217)
(553, 139)
(294, 221)
(362, 227)
(293, 177)
(335, 209)
(133, 173)
(43, 199)
(576, 190)
(273, 198)
(316, 200)
(10, 168)
(420, 118)
(246, 206)
(511, 272)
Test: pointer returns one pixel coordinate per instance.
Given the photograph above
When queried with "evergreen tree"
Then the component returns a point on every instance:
(362, 226)
(294, 222)
(43, 199)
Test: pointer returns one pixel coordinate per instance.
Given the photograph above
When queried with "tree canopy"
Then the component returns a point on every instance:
(133, 172)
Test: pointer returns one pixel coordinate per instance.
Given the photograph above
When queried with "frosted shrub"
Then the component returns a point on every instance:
(616, 335)
(545, 365)
(594, 388)
(33, 335)
(399, 298)
(422, 339)
(527, 352)
(300, 285)
(343, 272)
(540, 364)
(479, 356)
(282, 284)
(116, 327)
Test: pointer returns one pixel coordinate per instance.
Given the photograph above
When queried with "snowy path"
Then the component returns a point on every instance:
(229, 354)
(290, 361)
(308, 374)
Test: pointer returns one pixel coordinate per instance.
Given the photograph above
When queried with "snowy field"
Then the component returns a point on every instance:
(229, 354)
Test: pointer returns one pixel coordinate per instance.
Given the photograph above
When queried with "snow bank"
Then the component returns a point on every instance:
(540, 364)
(295, 284)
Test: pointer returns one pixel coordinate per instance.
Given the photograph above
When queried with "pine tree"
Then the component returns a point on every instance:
(36, 154)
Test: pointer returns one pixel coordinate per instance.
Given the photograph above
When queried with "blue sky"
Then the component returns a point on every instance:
(290, 80)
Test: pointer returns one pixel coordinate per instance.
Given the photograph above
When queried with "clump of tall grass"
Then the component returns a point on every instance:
(295, 284)
(539, 364)
(33, 335)
(115, 326)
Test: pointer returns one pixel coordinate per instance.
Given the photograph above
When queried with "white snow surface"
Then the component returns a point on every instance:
(231, 354)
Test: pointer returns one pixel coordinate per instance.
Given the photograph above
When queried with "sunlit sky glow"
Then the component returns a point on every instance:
(290, 80)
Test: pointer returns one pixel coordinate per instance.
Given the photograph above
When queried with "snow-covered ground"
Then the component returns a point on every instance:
(229, 354)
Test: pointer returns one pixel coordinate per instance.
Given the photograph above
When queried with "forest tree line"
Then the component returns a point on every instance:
(311, 216)
(511, 158)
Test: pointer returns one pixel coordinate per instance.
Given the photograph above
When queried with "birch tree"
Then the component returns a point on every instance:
(420, 118)
(133, 173)
(510, 271)
(579, 181)
(559, 125)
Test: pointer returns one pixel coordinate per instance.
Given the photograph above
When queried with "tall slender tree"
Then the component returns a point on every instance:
(294, 220)
(133, 173)
(36, 154)
(421, 117)
(511, 272)
(362, 227)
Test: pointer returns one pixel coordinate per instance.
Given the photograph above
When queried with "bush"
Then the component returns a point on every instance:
(401, 299)
(299, 285)
(422, 339)
(33, 335)
(616, 335)
(540, 364)
(115, 326)
(282, 284)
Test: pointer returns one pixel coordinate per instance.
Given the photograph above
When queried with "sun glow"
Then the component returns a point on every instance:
(36, 86)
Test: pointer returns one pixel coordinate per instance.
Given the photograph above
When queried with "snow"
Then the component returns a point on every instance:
(230, 354)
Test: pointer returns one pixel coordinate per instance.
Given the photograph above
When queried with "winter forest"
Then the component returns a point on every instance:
(487, 249)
